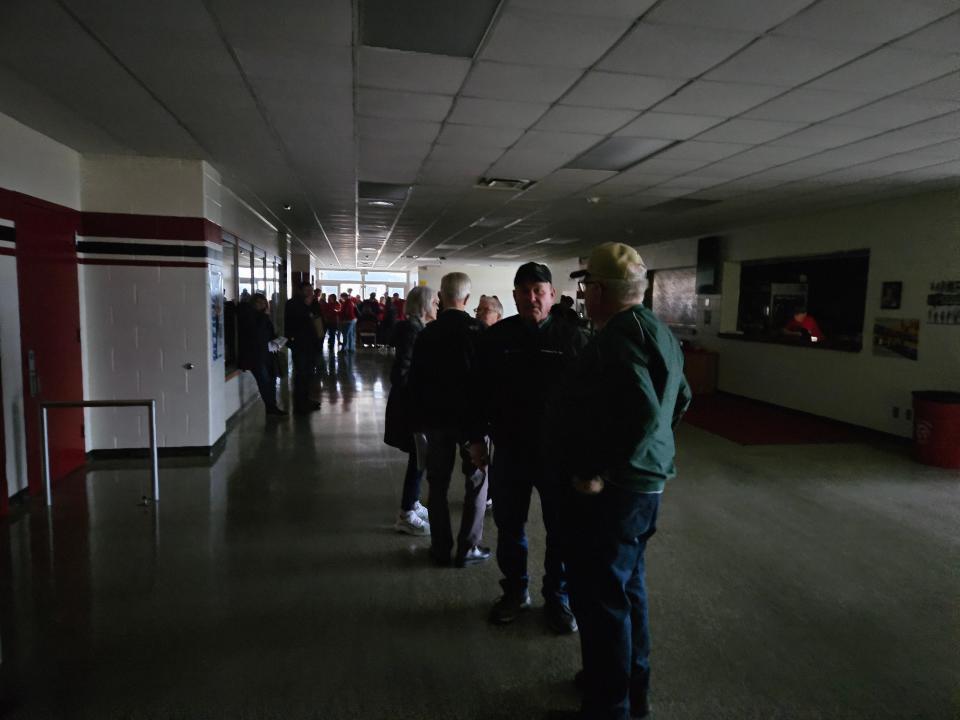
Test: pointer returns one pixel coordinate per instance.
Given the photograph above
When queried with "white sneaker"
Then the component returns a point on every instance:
(411, 524)
(421, 511)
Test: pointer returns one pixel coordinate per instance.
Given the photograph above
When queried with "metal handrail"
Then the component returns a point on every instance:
(151, 405)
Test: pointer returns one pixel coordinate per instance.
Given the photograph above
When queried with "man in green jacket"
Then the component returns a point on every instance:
(628, 394)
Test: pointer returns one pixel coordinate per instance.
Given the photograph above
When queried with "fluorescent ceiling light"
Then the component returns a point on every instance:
(440, 27)
(619, 153)
(557, 241)
(380, 203)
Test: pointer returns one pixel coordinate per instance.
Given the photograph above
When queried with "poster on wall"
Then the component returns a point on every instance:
(216, 313)
(890, 295)
(896, 337)
(943, 303)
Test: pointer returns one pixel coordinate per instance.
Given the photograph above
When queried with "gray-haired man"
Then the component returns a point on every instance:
(441, 372)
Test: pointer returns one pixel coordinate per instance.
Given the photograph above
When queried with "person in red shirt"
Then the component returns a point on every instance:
(804, 322)
(398, 307)
(331, 319)
(348, 322)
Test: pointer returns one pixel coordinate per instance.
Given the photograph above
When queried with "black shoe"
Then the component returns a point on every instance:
(440, 559)
(560, 617)
(639, 704)
(508, 608)
(276, 411)
(473, 556)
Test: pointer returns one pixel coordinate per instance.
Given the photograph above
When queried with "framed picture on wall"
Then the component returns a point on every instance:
(890, 295)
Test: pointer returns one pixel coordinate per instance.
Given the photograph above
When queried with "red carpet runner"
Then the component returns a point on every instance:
(749, 422)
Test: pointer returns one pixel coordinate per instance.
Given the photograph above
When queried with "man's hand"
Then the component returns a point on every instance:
(478, 454)
(593, 486)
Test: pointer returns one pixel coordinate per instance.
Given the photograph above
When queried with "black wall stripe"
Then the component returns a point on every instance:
(8, 233)
(165, 250)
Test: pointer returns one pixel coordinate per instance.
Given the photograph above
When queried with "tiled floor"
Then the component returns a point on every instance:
(787, 582)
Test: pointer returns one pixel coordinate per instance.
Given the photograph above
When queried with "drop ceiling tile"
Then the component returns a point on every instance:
(478, 135)
(402, 105)
(887, 71)
(669, 126)
(824, 136)
(620, 90)
(784, 61)
(753, 132)
(753, 15)
(475, 157)
(386, 129)
(556, 143)
(667, 166)
(807, 105)
(673, 50)
(601, 8)
(496, 113)
(939, 37)
(877, 21)
(766, 156)
(416, 72)
(573, 176)
(727, 99)
(568, 118)
(530, 37)
(527, 165)
(943, 88)
(528, 83)
(896, 112)
(705, 151)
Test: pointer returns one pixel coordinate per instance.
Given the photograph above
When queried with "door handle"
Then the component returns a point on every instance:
(188, 366)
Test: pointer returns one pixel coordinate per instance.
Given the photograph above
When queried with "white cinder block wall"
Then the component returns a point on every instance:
(913, 239)
(146, 325)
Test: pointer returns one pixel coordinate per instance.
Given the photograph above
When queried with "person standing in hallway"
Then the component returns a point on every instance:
(302, 333)
(489, 310)
(523, 360)
(441, 374)
(331, 319)
(255, 354)
(422, 307)
(629, 393)
(348, 322)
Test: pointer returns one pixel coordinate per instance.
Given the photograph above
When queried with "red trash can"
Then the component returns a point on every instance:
(936, 427)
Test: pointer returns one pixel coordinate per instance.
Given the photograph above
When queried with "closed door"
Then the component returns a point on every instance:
(50, 335)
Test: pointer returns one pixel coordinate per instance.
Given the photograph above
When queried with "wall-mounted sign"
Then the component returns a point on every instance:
(943, 303)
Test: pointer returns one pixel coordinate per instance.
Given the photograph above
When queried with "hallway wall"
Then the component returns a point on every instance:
(913, 239)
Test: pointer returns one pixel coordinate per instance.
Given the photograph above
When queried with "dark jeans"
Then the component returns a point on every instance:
(411, 483)
(332, 334)
(608, 534)
(442, 451)
(303, 366)
(267, 385)
(513, 476)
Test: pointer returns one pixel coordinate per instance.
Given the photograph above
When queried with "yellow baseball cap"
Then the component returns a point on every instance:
(612, 261)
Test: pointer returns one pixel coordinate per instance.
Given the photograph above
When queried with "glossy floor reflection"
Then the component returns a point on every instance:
(814, 582)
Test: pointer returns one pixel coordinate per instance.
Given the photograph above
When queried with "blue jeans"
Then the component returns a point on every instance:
(350, 336)
(608, 534)
(513, 476)
(411, 483)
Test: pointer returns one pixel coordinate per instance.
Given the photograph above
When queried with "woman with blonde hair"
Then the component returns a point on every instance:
(420, 308)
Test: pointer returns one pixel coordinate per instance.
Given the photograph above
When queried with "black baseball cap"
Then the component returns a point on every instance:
(532, 272)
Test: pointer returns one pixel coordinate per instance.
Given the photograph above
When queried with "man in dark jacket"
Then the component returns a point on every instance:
(302, 332)
(444, 358)
(256, 334)
(523, 360)
(628, 393)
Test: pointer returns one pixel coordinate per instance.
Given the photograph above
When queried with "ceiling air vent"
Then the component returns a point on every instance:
(504, 184)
